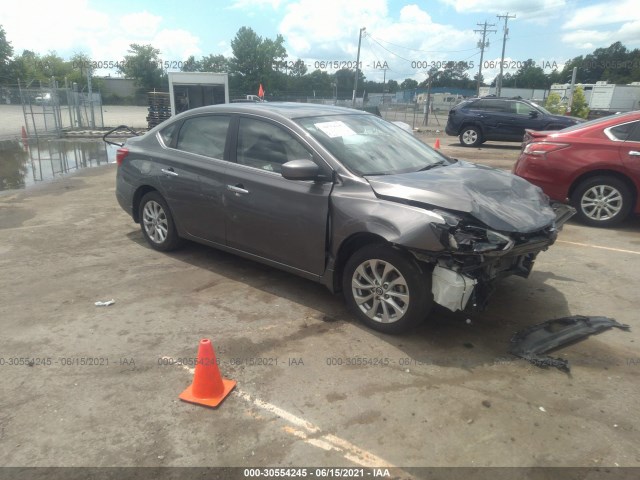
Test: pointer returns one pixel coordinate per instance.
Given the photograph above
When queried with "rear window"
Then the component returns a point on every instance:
(490, 105)
(621, 132)
(592, 123)
(204, 135)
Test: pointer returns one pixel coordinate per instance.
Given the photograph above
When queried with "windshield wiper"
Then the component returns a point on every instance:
(432, 165)
(377, 174)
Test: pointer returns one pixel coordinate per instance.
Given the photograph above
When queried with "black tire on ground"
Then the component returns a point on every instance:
(602, 201)
(470, 137)
(386, 289)
(156, 223)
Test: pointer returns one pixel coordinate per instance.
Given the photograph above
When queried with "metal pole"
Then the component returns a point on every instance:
(426, 106)
(93, 119)
(355, 80)
(573, 82)
(384, 81)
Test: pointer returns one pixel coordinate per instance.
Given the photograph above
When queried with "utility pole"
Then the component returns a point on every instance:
(571, 89)
(504, 42)
(482, 44)
(355, 81)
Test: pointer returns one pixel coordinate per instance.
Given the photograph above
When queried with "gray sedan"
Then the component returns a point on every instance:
(338, 196)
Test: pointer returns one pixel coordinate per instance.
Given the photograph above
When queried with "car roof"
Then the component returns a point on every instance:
(602, 123)
(289, 110)
(504, 99)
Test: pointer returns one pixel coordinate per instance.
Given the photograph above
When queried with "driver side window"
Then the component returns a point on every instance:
(522, 108)
(266, 146)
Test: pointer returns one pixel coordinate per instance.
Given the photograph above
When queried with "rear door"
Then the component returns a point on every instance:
(194, 182)
(493, 117)
(267, 215)
(630, 149)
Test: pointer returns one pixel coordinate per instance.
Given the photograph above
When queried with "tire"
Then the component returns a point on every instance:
(602, 201)
(470, 137)
(156, 223)
(406, 294)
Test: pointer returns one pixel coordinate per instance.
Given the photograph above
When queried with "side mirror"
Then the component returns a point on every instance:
(300, 170)
(533, 114)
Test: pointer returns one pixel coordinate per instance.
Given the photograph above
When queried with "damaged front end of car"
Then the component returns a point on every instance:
(490, 224)
(475, 257)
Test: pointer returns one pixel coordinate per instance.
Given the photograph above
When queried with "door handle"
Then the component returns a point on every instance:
(237, 188)
(634, 153)
(169, 172)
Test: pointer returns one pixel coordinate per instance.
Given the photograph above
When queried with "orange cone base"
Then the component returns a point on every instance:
(188, 396)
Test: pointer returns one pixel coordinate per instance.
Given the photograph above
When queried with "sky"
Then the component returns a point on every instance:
(402, 38)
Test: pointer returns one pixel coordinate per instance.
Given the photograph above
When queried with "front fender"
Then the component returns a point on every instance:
(397, 223)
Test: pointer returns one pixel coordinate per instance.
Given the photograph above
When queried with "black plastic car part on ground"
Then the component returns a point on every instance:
(533, 342)
(478, 120)
(340, 197)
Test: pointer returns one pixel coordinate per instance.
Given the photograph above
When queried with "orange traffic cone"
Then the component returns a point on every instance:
(208, 387)
(437, 144)
(25, 141)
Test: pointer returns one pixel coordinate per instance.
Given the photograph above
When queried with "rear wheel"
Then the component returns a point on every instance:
(470, 137)
(386, 289)
(156, 222)
(602, 201)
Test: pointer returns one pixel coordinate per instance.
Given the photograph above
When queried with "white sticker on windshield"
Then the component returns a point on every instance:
(335, 129)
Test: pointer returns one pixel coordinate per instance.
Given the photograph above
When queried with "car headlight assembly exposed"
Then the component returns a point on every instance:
(473, 239)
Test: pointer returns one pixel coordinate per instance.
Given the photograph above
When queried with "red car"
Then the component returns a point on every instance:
(595, 166)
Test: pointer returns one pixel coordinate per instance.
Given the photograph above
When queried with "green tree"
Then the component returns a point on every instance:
(344, 82)
(408, 84)
(392, 86)
(257, 61)
(190, 65)
(298, 68)
(144, 67)
(320, 82)
(615, 64)
(33, 69)
(527, 76)
(554, 104)
(6, 52)
(579, 106)
(210, 63)
(453, 74)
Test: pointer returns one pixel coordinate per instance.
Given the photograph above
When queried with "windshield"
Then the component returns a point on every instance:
(368, 145)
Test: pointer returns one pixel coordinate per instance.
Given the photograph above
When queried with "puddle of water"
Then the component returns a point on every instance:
(23, 166)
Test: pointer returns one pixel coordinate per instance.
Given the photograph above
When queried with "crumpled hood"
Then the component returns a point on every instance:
(499, 199)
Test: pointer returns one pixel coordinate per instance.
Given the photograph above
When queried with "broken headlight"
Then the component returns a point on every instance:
(464, 238)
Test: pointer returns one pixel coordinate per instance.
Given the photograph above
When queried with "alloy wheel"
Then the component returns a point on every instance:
(155, 222)
(601, 202)
(380, 291)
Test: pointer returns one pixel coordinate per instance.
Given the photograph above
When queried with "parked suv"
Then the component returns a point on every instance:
(477, 120)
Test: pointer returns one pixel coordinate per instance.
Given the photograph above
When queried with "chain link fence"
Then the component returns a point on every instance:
(49, 111)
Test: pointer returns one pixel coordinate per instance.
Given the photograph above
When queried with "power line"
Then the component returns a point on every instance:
(417, 49)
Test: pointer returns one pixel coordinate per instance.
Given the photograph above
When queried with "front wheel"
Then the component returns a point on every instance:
(386, 289)
(156, 222)
(602, 201)
(470, 137)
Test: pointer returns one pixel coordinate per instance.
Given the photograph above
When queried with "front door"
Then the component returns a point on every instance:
(267, 215)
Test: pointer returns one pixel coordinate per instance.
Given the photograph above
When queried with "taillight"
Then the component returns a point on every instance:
(541, 148)
(121, 154)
